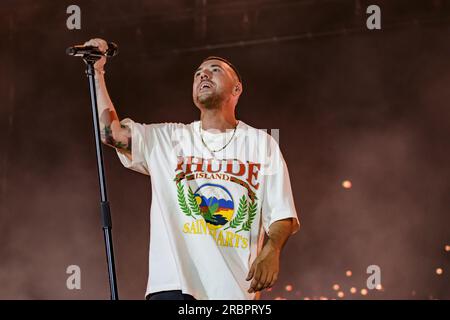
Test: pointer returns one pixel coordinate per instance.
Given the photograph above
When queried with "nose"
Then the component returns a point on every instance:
(204, 76)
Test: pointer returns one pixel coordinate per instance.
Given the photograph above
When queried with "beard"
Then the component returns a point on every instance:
(210, 101)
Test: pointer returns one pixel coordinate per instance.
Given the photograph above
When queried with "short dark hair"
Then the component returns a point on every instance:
(227, 62)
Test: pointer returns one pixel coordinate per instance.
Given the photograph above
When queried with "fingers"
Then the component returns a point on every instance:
(102, 45)
(255, 281)
(251, 272)
(268, 281)
(262, 280)
(97, 42)
(274, 279)
(263, 276)
(91, 42)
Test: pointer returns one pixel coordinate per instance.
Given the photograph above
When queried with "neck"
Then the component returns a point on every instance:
(217, 120)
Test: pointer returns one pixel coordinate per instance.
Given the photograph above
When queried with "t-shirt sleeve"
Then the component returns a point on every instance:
(278, 202)
(142, 142)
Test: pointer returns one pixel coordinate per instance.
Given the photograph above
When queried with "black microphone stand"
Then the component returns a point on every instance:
(104, 204)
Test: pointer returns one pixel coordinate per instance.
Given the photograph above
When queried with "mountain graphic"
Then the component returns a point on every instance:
(210, 208)
(222, 203)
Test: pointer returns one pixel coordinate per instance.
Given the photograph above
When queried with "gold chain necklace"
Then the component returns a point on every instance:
(214, 151)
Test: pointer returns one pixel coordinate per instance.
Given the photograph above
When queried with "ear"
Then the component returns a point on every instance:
(237, 89)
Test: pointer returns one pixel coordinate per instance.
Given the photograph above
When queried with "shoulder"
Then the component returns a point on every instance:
(262, 136)
(155, 130)
(163, 127)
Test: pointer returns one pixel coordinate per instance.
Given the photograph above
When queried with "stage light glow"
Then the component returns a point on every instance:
(439, 271)
(364, 292)
(447, 248)
(379, 287)
(340, 294)
(288, 288)
(336, 287)
(353, 290)
(348, 273)
(346, 184)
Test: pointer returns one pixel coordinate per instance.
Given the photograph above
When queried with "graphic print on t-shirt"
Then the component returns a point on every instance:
(220, 200)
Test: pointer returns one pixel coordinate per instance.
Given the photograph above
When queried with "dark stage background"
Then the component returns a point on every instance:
(370, 107)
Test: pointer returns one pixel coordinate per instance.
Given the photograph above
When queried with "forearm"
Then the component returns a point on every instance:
(111, 130)
(106, 111)
(265, 268)
(279, 232)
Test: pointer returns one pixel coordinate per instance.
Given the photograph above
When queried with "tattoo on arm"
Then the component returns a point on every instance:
(108, 138)
(120, 145)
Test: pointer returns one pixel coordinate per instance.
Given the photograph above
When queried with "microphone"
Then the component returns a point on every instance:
(91, 51)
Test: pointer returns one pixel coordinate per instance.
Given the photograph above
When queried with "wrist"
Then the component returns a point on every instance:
(273, 246)
(99, 78)
(99, 71)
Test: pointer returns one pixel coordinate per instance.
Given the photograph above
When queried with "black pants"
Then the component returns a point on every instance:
(169, 295)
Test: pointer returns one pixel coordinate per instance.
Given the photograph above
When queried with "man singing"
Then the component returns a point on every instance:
(218, 185)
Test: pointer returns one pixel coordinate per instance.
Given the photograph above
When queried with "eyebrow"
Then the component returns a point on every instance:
(213, 65)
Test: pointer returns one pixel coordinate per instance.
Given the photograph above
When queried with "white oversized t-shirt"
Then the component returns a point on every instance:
(209, 210)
